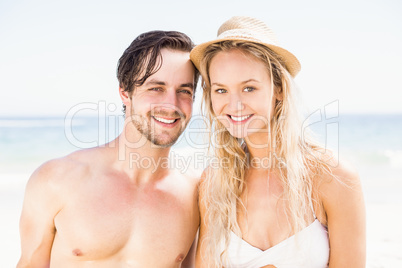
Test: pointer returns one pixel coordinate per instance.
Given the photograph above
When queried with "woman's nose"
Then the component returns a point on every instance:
(236, 103)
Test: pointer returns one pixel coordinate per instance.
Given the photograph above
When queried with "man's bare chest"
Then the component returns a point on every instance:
(103, 223)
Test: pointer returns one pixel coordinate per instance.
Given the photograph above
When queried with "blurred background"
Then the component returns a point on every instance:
(59, 92)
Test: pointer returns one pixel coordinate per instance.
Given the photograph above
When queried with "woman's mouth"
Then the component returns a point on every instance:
(239, 119)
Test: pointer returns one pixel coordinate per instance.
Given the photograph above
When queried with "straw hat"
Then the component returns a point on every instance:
(252, 30)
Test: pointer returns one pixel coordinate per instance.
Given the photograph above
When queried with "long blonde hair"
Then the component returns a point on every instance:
(295, 155)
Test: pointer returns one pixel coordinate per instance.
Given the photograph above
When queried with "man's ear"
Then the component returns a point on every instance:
(124, 95)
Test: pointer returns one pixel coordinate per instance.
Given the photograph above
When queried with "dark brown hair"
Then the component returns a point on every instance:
(139, 60)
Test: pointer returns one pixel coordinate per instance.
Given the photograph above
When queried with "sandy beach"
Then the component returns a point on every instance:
(383, 203)
(12, 188)
(384, 221)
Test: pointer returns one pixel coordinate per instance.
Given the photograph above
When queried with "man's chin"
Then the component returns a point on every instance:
(162, 146)
(164, 143)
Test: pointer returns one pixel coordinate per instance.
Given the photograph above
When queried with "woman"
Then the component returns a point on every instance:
(276, 198)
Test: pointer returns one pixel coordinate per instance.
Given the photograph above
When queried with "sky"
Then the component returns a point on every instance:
(61, 56)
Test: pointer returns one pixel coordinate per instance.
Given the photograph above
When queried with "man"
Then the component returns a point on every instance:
(101, 207)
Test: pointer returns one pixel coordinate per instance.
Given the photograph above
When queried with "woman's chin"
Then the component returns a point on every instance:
(238, 134)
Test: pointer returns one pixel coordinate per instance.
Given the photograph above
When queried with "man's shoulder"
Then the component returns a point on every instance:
(190, 176)
(184, 184)
(64, 169)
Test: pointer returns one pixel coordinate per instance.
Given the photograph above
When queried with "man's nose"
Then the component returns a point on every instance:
(171, 98)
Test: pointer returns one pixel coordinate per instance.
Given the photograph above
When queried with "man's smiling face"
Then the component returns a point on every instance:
(161, 108)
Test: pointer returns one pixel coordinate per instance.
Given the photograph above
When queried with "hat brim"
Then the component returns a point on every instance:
(292, 64)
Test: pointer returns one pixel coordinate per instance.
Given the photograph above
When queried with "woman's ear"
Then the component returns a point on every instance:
(278, 94)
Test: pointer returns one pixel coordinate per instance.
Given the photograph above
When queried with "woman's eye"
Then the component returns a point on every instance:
(220, 90)
(249, 89)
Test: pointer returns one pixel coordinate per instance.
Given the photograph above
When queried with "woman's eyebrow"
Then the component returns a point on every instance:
(250, 80)
(244, 82)
(218, 84)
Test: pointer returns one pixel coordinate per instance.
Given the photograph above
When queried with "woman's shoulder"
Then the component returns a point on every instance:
(339, 186)
(203, 180)
(202, 186)
(205, 176)
(327, 168)
(336, 174)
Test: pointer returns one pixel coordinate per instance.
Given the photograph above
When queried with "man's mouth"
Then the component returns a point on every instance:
(165, 120)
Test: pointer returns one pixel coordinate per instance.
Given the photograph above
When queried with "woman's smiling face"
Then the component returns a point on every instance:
(242, 94)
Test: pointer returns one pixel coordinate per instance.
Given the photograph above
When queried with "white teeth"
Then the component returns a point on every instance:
(163, 120)
(240, 118)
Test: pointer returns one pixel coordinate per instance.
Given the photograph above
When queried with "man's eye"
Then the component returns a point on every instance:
(220, 90)
(155, 89)
(186, 91)
(249, 89)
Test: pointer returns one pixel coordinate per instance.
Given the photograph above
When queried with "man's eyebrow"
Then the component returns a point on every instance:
(190, 85)
(161, 83)
(155, 82)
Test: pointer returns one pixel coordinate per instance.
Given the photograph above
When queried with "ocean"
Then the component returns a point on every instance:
(373, 143)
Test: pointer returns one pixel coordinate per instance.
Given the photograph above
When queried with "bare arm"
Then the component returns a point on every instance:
(344, 206)
(37, 230)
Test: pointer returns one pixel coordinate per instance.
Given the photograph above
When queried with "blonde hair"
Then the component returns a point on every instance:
(295, 155)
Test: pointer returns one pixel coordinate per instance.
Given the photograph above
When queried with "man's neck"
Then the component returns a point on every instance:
(140, 159)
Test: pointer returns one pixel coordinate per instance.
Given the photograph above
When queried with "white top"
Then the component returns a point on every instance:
(308, 248)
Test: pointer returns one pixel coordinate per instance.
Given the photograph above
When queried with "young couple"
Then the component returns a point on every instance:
(276, 198)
